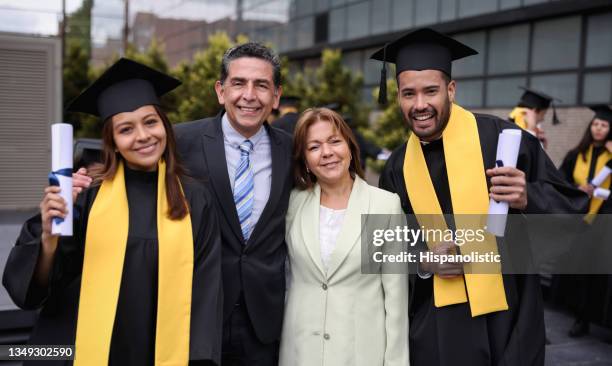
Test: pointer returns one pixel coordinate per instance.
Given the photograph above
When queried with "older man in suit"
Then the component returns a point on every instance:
(246, 165)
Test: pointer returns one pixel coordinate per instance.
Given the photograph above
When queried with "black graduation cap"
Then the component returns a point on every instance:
(289, 100)
(602, 111)
(532, 98)
(126, 86)
(422, 49)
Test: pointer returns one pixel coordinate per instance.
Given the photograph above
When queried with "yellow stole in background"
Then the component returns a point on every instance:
(518, 116)
(581, 174)
(470, 199)
(105, 244)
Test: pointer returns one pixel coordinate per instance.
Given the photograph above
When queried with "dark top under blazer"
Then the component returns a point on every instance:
(256, 269)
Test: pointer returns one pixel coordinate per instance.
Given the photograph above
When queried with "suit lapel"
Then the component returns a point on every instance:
(309, 224)
(350, 233)
(280, 165)
(214, 151)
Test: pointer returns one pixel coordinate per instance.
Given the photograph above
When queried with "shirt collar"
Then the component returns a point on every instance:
(234, 138)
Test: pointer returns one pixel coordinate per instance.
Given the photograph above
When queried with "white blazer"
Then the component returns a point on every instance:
(341, 317)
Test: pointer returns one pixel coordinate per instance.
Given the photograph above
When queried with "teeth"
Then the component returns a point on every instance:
(246, 109)
(423, 118)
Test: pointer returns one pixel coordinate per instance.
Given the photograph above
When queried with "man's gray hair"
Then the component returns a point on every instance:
(251, 49)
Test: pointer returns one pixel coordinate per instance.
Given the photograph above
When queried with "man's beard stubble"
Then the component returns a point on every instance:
(441, 121)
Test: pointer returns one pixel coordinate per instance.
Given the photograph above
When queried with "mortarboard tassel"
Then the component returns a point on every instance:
(555, 120)
(382, 92)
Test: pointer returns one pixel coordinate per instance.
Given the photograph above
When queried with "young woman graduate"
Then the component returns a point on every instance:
(139, 282)
(589, 296)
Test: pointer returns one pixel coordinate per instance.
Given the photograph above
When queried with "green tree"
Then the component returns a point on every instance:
(389, 128)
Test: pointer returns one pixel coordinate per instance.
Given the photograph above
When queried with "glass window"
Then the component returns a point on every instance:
(321, 5)
(560, 86)
(337, 19)
(336, 2)
(305, 32)
(508, 49)
(402, 14)
(426, 12)
(352, 60)
(473, 65)
(532, 2)
(599, 40)
(469, 93)
(283, 38)
(304, 7)
(371, 69)
(504, 92)
(469, 8)
(359, 24)
(597, 87)
(381, 16)
(556, 44)
(508, 4)
(448, 10)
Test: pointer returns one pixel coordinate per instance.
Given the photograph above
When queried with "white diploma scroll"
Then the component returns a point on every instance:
(507, 154)
(61, 173)
(601, 193)
(601, 176)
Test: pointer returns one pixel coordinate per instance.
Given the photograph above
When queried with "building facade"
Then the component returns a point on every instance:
(561, 47)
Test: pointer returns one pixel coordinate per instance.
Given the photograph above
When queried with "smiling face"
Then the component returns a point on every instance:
(327, 153)
(425, 99)
(600, 129)
(248, 94)
(140, 137)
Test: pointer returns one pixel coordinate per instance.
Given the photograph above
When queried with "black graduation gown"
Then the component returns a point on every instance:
(287, 122)
(589, 297)
(449, 335)
(133, 338)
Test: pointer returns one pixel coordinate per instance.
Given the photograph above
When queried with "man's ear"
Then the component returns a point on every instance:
(219, 91)
(451, 90)
(277, 95)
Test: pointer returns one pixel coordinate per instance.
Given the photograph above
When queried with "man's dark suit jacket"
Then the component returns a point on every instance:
(256, 269)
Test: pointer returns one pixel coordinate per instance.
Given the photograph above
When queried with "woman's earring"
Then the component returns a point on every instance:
(307, 170)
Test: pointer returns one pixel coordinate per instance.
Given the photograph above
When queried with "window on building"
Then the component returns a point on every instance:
(468, 8)
(371, 68)
(556, 44)
(353, 60)
(321, 31)
(597, 88)
(473, 65)
(561, 86)
(509, 4)
(359, 24)
(469, 93)
(448, 10)
(403, 12)
(533, 2)
(337, 24)
(336, 2)
(599, 40)
(508, 49)
(321, 5)
(504, 92)
(426, 12)
(304, 7)
(381, 16)
(305, 32)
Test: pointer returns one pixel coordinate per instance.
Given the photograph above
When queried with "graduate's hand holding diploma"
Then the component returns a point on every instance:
(508, 185)
(52, 205)
(80, 181)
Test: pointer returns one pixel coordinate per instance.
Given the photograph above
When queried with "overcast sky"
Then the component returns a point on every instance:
(42, 16)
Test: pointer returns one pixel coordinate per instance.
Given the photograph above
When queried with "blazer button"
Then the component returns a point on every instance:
(324, 286)
(326, 336)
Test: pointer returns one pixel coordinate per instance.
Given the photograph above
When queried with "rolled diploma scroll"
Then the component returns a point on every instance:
(601, 176)
(601, 193)
(507, 154)
(61, 170)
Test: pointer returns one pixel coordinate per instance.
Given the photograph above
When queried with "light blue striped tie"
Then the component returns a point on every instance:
(243, 189)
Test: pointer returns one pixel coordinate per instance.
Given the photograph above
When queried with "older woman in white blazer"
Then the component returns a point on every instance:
(335, 315)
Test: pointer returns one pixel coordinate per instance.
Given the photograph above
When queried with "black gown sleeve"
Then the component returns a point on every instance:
(547, 190)
(567, 166)
(207, 291)
(18, 278)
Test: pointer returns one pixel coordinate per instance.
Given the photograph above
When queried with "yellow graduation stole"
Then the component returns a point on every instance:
(470, 199)
(105, 244)
(518, 116)
(581, 174)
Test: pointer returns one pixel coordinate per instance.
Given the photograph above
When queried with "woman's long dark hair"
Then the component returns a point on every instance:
(174, 170)
(587, 140)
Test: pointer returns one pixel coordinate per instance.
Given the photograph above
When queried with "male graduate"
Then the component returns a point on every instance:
(288, 113)
(447, 166)
(530, 111)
